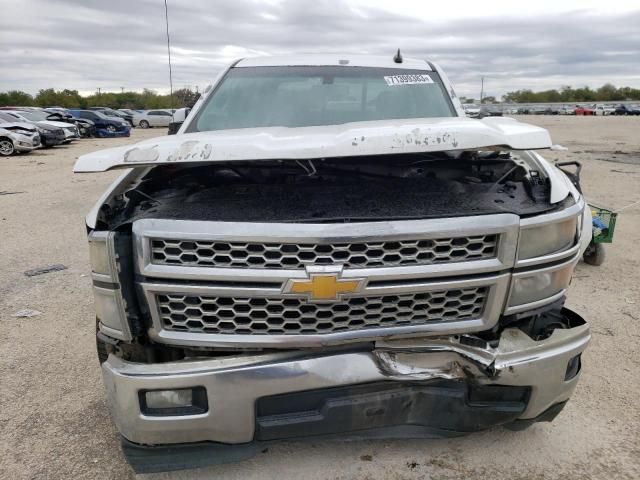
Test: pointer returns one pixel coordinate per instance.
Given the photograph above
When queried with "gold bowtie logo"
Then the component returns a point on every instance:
(323, 287)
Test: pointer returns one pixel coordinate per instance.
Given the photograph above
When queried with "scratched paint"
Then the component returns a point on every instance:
(377, 137)
(142, 155)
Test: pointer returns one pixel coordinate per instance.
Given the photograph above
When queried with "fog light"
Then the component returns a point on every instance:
(183, 401)
(170, 398)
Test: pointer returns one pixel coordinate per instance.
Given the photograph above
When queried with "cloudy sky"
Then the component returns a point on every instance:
(86, 44)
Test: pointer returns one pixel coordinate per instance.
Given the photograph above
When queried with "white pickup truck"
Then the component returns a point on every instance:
(329, 247)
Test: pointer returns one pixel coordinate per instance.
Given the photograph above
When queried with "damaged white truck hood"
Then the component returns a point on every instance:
(347, 140)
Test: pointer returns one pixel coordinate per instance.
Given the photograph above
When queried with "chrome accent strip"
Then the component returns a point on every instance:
(494, 303)
(552, 257)
(505, 225)
(544, 301)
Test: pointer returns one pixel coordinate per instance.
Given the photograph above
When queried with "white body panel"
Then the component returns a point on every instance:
(347, 140)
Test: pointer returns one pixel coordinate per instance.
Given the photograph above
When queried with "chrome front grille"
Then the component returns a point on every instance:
(297, 255)
(294, 316)
(225, 284)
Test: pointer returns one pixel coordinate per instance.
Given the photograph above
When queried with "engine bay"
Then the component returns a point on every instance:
(383, 187)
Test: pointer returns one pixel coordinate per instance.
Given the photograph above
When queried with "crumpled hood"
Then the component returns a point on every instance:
(348, 140)
(24, 126)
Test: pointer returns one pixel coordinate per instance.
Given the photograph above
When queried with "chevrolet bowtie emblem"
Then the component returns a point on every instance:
(323, 287)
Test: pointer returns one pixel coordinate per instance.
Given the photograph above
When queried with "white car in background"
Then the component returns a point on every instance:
(71, 132)
(601, 109)
(18, 137)
(472, 111)
(153, 118)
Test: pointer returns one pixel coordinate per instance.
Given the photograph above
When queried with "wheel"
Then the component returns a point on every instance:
(594, 254)
(111, 129)
(6, 147)
(144, 124)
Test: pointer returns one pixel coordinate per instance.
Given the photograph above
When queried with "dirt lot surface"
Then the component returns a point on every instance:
(54, 422)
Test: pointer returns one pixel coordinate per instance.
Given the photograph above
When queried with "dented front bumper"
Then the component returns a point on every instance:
(234, 385)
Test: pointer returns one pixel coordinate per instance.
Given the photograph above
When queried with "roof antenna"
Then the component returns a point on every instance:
(398, 57)
(166, 18)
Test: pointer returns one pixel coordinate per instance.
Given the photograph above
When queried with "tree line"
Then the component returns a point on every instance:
(566, 94)
(185, 97)
(146, 100)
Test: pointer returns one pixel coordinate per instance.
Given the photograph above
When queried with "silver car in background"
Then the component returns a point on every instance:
(18, 137)
(71, 132)
(153, 118)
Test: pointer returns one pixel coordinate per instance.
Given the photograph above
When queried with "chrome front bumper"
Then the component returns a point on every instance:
(234, 384)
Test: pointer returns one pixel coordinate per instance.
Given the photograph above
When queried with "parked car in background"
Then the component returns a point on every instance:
(490, 111)
(86, 127)
(128, 111)
(537, 110)
(601, 109)
(41, 117)
(105, 126)
(472, 111)
(110, 112)
(582, 110)
(49, 135)
(179, 116)
(18, 137)
(153, 118)
(626, 110)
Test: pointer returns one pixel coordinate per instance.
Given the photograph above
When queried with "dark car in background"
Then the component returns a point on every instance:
(86, 127)
(626, 110)
(49, 135)
(490, 112)
(110, 112)
(105, 126)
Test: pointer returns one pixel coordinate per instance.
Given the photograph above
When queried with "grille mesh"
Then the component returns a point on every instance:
(290, 316)
(297, 255)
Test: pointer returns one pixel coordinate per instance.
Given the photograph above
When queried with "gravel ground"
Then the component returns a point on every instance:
(54, 422)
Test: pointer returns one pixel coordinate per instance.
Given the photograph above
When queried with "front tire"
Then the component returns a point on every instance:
(6, 147)
(144, 124)
(594, 254)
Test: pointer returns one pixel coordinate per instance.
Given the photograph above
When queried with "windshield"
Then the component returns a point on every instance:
(34, 116)
(252, 97)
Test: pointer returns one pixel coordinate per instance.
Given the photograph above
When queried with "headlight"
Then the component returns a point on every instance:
(546, 239)
(550, 237)
(109, 302)
(102, 256)
(110, 311)
(539, 287)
